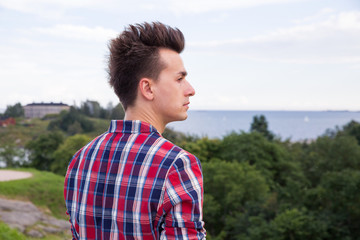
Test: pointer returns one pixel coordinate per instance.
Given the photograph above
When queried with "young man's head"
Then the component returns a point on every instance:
(135, 54)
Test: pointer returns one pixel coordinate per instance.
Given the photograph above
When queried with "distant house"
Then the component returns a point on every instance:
(39, 110)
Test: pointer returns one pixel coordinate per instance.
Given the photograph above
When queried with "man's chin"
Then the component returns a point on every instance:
(180, 118)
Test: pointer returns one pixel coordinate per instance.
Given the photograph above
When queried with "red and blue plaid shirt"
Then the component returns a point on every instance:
(131, 183)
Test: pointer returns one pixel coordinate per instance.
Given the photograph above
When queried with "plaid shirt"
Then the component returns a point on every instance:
(131, 183)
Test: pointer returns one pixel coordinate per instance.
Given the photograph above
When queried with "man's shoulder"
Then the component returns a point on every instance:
(179, 155)
(167, 144)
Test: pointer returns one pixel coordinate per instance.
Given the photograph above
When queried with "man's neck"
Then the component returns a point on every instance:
(147, 115)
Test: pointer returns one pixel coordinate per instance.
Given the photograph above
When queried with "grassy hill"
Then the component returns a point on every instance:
(44, 189)
(23, 131)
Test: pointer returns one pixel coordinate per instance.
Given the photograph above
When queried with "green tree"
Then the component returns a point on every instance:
(294, 224)
(260, 124)
(42, 150)
(270, 157)
(91, 108)
(14, 111)
(117, 112)
(230, 187)
(204, 148)
(72, 122)
(11, 155)
(336, 199)
(328, 154)
(353, 129)
(65, 151)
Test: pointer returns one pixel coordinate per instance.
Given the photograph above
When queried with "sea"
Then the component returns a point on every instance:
(291, 125)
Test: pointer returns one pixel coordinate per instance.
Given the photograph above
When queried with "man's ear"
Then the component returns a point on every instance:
(145, 87)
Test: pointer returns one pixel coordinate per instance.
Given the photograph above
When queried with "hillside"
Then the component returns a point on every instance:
(34, 206)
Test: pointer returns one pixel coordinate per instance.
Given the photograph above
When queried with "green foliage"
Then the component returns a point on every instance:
(14, 111)
(7, 233)
(297, 224)
(11, 155)
(23, 131)
(204, 148)
(336, 199)
(173, 136)
(72, 122)
(329, 154)
(42, 150)
(229, 188)
(260, 125)
(93, 109)
(269, 157)
(65, 151)
(117, 112)
(256, 187)
(353, 129)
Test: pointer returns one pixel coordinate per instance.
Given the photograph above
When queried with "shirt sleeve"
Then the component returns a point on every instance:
(183, 200)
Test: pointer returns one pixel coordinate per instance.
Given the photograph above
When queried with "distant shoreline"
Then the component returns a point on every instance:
(215, 110)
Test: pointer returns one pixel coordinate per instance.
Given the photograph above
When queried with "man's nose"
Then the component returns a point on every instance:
(190, 91)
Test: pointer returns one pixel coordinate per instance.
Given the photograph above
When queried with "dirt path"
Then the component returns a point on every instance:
(9, 175)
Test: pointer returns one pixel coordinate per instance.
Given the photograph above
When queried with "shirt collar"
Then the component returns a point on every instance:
(131, 126)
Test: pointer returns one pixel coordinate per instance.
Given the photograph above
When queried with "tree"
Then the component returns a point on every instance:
(14, 111)
(91, 108)
(336, 199)
(270, 157)
(204, 148)
(260, 125)
(297, 224)
(71, 122)
(353, 129)
(328, 154)
(42, 150)
(11, 155)
(65, 151)
(117, 112)
(229, 187)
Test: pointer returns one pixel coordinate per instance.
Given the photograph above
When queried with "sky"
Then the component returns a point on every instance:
(240, 54)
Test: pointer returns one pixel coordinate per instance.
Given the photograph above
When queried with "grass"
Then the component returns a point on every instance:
(7, 233)
(44, 189)
(23, 131)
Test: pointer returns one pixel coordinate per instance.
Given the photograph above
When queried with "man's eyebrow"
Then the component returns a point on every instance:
(183, 73)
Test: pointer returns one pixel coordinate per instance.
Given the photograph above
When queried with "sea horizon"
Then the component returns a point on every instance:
(296, 125)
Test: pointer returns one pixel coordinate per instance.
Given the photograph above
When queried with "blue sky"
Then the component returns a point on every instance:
(240, 55)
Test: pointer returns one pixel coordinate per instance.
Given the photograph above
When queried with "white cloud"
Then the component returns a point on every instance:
(333, 40)
(38, 5)
(48, 9)
(56, 7)
(323, 13)
(200, 6)
(79, 32)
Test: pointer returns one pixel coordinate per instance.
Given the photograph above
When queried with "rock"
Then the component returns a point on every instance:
(25, 215)
(51, 229)
(34, 233)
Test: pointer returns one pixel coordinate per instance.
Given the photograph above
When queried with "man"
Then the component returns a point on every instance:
(130, 182)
